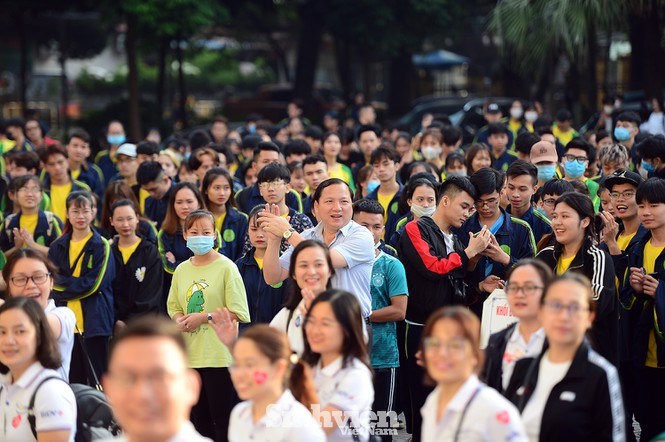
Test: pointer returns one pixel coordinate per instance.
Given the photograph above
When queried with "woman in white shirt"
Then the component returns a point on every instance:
(339, 385)
(525, 338)
(29, 273)
(461, 408)
(310, 270)
(269, 413)
(29, 357)
(569, 392)
(655, 125)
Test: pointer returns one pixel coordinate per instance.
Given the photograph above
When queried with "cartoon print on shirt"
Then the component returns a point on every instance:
(195, 298)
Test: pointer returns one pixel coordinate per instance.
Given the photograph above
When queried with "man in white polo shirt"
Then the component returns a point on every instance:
(351, 245)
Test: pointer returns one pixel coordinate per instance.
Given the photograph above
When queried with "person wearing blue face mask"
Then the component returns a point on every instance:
(201, 285)
(626, 129)
(575, 162)
(652, 151)
(105, 159)
(543, 155)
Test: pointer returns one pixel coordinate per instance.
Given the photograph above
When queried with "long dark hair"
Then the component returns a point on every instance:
(294, 294)
(171, 222)
(584, 207)
(46, 351)
(210, 176)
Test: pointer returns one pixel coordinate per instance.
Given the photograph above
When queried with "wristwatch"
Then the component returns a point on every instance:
(287, 234)
(209, 317)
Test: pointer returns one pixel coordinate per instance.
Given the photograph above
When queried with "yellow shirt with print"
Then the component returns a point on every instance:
(59, 199)
(76, 249)
(651, 253)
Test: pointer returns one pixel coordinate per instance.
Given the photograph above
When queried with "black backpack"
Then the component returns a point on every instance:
(94, 416)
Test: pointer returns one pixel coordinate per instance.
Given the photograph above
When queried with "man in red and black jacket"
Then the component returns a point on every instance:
(435, 262)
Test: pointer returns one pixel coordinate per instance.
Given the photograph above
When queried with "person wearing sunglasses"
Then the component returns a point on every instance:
(568, 392)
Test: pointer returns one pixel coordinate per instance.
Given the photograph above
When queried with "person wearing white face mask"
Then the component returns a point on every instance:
(530, 116)
(516, 120)
(202, 284)
(431, 147)
(420, 197)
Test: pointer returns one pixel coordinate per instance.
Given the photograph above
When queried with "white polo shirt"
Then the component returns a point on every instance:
(295, 327)
(55, 405)
(187, 433)
(349, 389)
(517, 348)
(65, 341)
(355, 243)
(285, 421)
(489, 416)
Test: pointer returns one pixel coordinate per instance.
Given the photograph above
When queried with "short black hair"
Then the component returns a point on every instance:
(267, 146)
(652, 147)
(250, 141)
(147, 148)
(496, 129)
(564, 115)
(314, 132)
(451, 135)
(629, 116)
(521, 167)
(368, 128)
(16, 122)
(557, 186)
(581, 143)
(313, 159)
(29, 160)
(148, 172)
(297, 147)
(81, 135)
(455, 156)
(199, 138)
(367, 206)
(652, 191)
(487, 181)
(524, 141)
(272, 172)
(327, 183)
(454, 185)
(384, 152)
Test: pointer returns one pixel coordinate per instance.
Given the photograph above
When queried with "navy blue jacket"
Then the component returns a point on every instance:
(156, 209)
(250, 197)
(264, 301)
(393, 217)
(234, 232)
(93, 288)
(49, 228)
(538, 222)
(515, 238)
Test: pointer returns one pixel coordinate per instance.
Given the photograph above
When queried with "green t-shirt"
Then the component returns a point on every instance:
(388, 280)
(203, 289)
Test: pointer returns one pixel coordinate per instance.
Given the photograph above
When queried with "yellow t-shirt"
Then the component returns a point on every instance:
(385, 200)
(219, 222)
(127, 252)
(75, 248)
(563, 264)
(143, 194)
(337, 173)
(75, 174)
(29, 222)
(59, 200)
(259, 261)
(651, 253)
(563, 137)
(514, 126)
(624, 240)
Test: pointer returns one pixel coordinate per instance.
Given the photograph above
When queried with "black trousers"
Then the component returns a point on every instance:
(210, 415)
(650, 389)
(97, 348)
(384, 395)
(415, 376)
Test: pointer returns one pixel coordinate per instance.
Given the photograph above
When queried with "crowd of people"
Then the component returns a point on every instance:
(289, 281)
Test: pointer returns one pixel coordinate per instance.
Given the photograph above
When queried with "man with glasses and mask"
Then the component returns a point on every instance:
(511, 239)
(575, 163)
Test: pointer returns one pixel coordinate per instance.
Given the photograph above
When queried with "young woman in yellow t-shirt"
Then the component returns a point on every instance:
(31, 226)
(332, 145)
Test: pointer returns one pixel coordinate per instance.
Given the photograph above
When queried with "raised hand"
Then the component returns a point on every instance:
(225, 327)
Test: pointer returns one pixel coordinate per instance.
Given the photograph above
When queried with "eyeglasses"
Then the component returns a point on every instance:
(549, 202)
(22, 280)
(489, 203)
(76, 213)
(272, 185)
(571, 158)
(30, 190)
(454, 346)
(557, 307)
(528, 290)
(623, 195)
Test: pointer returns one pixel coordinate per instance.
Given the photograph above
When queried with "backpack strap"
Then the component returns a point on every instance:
(31, 406)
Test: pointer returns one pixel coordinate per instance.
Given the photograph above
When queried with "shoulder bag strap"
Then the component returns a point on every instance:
(31, 406)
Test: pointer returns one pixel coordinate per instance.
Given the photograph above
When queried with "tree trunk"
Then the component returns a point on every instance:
(182, 93)
(133, 79)
(590, 79)
(343, 62)
(654, 52)
(64, 93)
(23, 68)
(400, 92)
(161, 74)
(312, 15)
